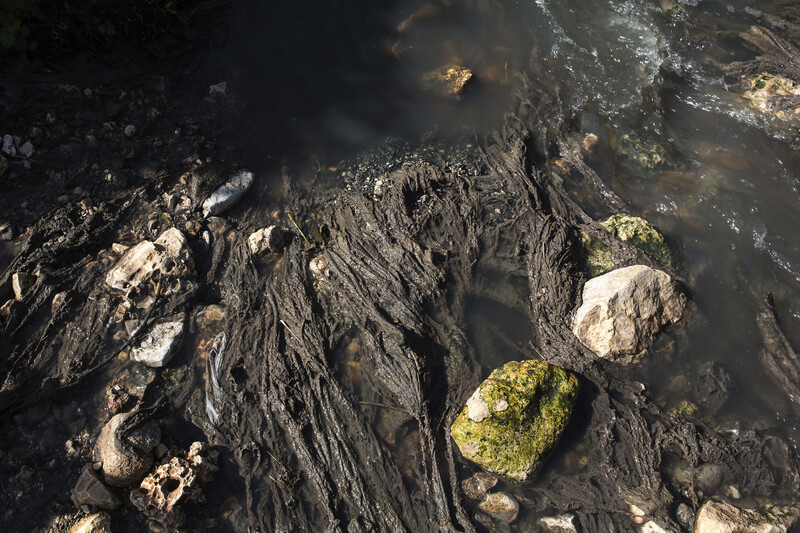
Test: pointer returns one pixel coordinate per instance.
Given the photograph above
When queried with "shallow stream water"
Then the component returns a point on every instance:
(726, 195)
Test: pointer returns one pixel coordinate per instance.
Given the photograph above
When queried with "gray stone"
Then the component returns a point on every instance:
(721, 517)
(94, 523)
(271, 239)
(160, 344)
(8, 146)
(226, 196)
(708, 478)
(130, 130)
(26, 150)
(91, 491)
(624, 309)
(500, 506)
(21, 283)
(124, 465)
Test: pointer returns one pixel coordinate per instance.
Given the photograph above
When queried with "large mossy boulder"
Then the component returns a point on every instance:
(641, 234)
(514, 419)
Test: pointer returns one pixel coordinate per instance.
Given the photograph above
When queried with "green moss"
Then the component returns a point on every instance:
(684, 408)
(641, 234)
(596, 255)
(639, 155)
(528, 405)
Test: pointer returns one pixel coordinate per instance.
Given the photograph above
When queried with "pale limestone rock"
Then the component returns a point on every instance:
(178, 480)
(226, 196)
(623, 309)
(94, 523)
(721, 517)
(559, 524)
(169, 254)
(124, 465)
(160, 344)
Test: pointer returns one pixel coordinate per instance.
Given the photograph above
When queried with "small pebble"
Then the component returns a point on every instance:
(130, 130)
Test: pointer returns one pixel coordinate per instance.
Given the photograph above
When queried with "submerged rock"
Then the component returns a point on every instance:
(169, 254)
(94, 523)
(477, 485)
(765, 89)
(514, 419)
(500, 506)
(641, 234)
(640, 155)
(624, 309)
(713, 386)
(160, 344)
(126, 464)
(449, 80)
(178, 480)
(721, 517)
(226, 196)
(89, 490)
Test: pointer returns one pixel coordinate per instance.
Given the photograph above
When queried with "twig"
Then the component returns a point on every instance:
(298, 229)
(374, 404)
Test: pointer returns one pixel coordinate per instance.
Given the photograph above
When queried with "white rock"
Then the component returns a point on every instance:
(95, 523)
(26, 150)
(559, 524)
(223, 198)
(129, 130)
(623, 309)
(169, 253)
(269, 239)
(160, 344)
(652, 527)
(8, 146)
(720, 517)
(21, 283)
(477, 408)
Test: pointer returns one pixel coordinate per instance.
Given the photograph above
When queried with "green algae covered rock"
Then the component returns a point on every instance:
(641, 234)
(514, 419)
(597, 256)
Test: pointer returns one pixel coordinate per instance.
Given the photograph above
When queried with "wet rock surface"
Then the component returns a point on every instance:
(228, 194)
(477, 485)
(270, 239)
(176, 482)
(721, 517)
(500, 506)
(169, 255)
(89, 490)
(126, 456)
(95, 523)
(161, 343)
(622, 310)
(514, 419)
(558, 524)
(448, 81)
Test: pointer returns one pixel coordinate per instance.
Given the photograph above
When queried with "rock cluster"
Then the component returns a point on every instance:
(514, 419)
(622, 310)
(178, 480)
(126, 459)
(721, 517)
(169, 254)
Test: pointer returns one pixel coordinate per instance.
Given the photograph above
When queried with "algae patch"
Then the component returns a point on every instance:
(641, 234)
(513, 421)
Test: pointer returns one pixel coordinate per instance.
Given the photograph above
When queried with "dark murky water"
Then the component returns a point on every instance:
(726, 198)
